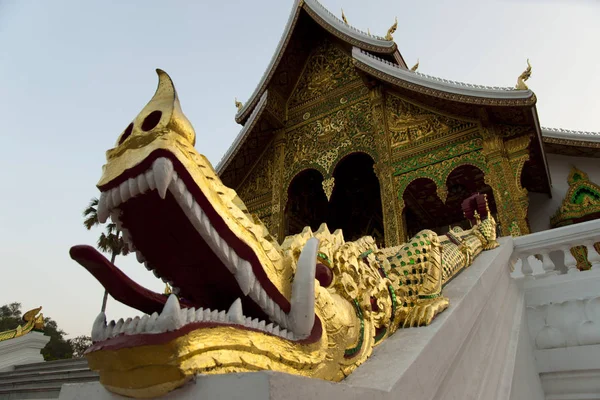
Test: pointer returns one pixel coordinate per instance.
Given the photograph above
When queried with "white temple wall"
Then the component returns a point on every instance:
(541, 207)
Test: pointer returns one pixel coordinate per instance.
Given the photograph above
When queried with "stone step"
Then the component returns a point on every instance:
(37, 376)
(52, 365)
(40, 393)
(48, 386)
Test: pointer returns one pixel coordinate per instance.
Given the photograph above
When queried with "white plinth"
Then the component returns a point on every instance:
(22, 350)
(468, 352)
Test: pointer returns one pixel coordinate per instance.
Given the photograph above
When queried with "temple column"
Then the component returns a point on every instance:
(392, 216)
(278, 199)
(500, 176)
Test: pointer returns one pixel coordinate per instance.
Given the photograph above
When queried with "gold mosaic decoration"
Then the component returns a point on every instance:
(321, 142)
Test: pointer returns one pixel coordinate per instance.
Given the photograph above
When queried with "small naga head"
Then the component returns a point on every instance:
(240, 302)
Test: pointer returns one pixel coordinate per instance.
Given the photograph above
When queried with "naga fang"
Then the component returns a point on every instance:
(313, 306)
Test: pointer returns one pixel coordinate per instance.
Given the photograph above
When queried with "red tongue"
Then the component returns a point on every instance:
(120, 287)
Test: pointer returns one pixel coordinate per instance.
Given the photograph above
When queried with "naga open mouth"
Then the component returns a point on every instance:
(217, 278)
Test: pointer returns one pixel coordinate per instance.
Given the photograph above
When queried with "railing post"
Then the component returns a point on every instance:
(526, 267)
(547, 264)
(593, 256)
(570, 261)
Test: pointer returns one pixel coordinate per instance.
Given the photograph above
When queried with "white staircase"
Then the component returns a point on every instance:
(43, 380)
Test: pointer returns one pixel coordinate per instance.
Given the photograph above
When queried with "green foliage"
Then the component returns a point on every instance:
(109, 241)
(10, 316)
(57, 348)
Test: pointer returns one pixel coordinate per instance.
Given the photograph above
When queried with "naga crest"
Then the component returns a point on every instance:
(314, 305)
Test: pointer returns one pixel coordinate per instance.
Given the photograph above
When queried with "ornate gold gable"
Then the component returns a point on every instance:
(328, 68)
(408, 123)
(581, 203)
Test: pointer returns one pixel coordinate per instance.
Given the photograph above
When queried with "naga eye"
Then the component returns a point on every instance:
(151, 120)
(324, 275)
(126, 134)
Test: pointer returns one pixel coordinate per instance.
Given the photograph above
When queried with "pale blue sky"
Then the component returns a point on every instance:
(74, 74)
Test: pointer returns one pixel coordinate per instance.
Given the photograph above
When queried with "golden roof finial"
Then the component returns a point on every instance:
(416, 66)
(392, 29)
(238, 104)
(168, 289)
(523, 77)
(163, 112)
(344, 18)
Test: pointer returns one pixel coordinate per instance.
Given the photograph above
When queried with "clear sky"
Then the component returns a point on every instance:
(75, 73)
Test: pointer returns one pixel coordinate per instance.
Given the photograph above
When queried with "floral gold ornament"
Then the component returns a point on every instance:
(328, 186)
(390, 32)
(344, 17)
(314, 305)
(238, 104)
(415, 67)
(523, 77)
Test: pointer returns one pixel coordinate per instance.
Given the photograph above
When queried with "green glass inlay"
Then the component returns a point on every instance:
(355, 349)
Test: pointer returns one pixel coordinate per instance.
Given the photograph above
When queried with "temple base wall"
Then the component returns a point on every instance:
(22, 350)
(469, 351)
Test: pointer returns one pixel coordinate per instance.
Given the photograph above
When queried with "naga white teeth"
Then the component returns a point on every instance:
(302, 314)
(163, 174)
(99, 328)
(103, 211)
(235, 313)
(170, 317)
(245, 276)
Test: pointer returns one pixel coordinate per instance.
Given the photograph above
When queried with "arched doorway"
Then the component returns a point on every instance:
(355, 203)
(425, 210)
(422, 206)
(462, 182)
(306, 204)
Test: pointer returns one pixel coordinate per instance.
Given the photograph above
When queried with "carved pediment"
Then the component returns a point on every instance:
(581, 203)
(327, 68)
(408, 123)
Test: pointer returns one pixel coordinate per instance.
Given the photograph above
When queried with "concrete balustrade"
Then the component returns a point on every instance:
(548, 253)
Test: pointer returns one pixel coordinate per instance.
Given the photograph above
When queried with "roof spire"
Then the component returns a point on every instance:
(392, 29)
(415, 67)
(344, 18)
(523, 77)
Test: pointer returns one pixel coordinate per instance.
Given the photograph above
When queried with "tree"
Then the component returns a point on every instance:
(10, 316)
(56, 349)
(79, 345)
(109, 241)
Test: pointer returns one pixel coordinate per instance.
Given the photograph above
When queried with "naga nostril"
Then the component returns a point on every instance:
(126, 134)
(324, 275)
(151, 120)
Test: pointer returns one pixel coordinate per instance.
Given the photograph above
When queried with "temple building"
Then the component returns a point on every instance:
(341, 130)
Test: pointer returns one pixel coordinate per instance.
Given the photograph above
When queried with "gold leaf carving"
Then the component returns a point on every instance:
(408, 123)
(326, 69)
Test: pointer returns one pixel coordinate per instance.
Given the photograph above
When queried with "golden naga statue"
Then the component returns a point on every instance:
(523, 77)
(32, 321)
(315, 305)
